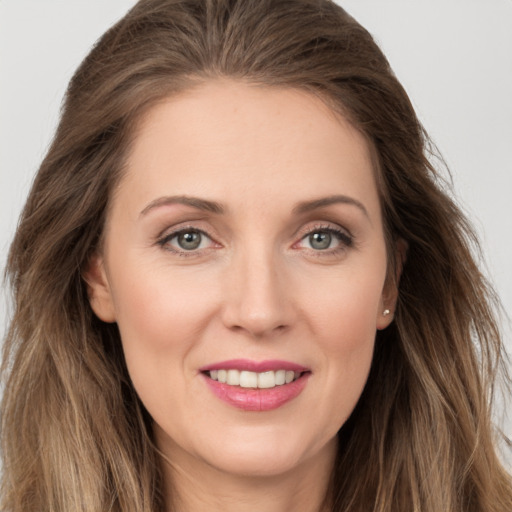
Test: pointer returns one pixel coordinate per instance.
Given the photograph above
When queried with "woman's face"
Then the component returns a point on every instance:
(245, 244)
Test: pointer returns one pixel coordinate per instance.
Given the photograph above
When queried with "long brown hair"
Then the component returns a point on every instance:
(74, 433)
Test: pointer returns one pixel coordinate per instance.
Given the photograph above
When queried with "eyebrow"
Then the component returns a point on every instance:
(324, 202)
(214, 207)
(194, 202)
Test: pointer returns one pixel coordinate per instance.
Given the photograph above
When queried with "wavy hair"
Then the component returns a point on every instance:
(75, 435)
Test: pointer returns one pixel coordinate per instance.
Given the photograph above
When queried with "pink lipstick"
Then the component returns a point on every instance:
(256, 385)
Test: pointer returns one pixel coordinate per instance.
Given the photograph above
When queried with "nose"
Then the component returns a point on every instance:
(258, 296)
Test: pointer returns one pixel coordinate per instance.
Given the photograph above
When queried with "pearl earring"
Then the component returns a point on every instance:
(386, 312)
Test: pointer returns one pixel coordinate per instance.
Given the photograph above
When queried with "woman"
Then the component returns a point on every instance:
(238, 285)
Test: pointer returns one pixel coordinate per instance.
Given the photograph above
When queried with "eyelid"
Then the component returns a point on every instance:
(345, 237)
(322, 226)
(167, 235)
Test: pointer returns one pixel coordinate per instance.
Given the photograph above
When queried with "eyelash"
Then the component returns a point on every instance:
(346, 240)
(164, 241)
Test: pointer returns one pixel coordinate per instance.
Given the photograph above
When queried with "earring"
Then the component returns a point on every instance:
(386, 312)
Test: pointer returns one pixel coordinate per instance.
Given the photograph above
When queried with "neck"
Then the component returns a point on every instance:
(197, 486)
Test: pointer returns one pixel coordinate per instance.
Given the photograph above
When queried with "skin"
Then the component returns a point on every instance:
(256, 288)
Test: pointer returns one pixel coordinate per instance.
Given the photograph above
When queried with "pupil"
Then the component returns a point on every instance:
(189, 241)
(320, 240)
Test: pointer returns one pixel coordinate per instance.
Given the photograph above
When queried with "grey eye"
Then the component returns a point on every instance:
(189, 240)
(320, 240)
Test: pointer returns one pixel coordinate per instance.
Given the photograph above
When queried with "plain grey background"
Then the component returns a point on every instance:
(454, 58)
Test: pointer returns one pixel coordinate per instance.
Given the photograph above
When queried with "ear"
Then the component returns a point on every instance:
(389, 297)
(98, 288)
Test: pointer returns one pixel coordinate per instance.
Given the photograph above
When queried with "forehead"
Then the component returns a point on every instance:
(227, 138)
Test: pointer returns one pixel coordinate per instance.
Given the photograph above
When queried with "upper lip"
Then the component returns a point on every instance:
(254, 366)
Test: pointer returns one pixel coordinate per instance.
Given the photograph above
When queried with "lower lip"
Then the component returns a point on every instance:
(251, 399)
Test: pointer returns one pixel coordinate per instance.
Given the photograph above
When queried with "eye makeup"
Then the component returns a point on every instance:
(320, 240)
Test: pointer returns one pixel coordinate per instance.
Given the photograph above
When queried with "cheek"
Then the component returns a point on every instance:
(348, 336)
(160, 317)
(159, 304)
(345, 307)
(345, 325)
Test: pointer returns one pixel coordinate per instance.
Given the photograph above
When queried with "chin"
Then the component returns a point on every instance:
(273, 453)
(258, 463)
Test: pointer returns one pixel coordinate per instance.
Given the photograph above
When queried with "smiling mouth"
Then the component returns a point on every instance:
(254, 380)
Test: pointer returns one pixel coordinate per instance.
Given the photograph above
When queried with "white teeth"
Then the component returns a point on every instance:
(246, 379)
(233, 378)
(280, 377)
(267, 380)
